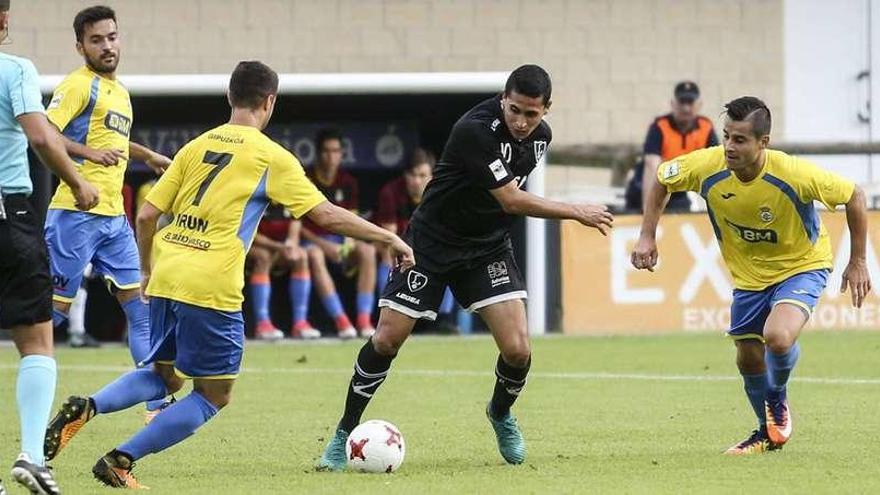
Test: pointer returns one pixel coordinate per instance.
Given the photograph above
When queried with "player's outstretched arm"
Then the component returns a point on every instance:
(156, 161)
(515, 201)
(147, 219)
(856, 274)
(644, 255)
(46, 142)
(342, 221)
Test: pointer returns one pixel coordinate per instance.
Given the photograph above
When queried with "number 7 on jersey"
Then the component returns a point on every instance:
(219, 160)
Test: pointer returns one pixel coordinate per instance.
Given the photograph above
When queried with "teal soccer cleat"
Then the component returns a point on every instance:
(511, 444)
(334, 458)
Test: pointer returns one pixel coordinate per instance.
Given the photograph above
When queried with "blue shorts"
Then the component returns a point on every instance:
(75, 239)
(750, 308)
(200, 342)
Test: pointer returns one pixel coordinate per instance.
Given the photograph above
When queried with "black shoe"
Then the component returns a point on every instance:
(37, 479)
(83, 341)
(73, 415)
(114, 469)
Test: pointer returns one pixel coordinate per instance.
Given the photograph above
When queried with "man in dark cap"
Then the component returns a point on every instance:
(681, 131)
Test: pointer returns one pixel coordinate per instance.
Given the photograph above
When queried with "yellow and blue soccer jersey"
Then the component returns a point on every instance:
(95, 111)
(217, 188)
(768, 228)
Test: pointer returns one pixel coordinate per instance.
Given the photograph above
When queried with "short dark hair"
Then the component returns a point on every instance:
(4, 5)
(420, 156)
(749, 108)
(327, 134)
(529, 80)
(89, 16)
(251, 83)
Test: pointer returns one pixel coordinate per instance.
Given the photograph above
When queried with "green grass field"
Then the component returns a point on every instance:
(600, 415)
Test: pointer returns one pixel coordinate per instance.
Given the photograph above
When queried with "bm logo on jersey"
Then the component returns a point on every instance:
(416, 281)
(118, 123)
(749, 234)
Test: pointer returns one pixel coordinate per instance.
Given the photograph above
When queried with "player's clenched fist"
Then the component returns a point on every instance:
(86, 195)
(596, 216)
(644, 255)
(403, 254)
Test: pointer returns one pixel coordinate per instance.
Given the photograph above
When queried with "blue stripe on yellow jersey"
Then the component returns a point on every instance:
(768, 228)
(94, 111)
(216, 189)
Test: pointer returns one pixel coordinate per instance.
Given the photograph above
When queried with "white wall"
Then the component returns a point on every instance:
(827, 46)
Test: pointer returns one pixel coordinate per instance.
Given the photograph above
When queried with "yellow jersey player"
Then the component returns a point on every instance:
(761, 206)
(93, 112)
(215, 191)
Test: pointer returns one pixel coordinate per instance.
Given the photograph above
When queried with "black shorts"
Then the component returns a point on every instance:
(25, 283)
(417, 292)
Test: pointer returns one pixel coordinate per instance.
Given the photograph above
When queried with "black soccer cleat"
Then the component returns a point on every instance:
(72, 416)
(114, 470)
(37, 479)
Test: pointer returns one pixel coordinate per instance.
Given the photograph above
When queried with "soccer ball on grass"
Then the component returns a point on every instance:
(375, 446)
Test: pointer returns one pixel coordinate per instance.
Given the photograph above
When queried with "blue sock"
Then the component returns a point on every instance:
(138, 315)
(383, 271)
(756, 389)
(34, 392)
(779, 367)
(59, 318)
(132, 388)
(300, 289)
(365, 303)
(174, 425)
(448, 302)
(261, 291)
(333, 305)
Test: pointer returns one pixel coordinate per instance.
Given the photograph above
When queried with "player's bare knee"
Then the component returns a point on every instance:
(779, 342)
(173, 382)
(61, 306)
(750, 356)
(220, 396)
(387, 341)
(125, 295)
(34, 340)
(517, 356)
(365, 251)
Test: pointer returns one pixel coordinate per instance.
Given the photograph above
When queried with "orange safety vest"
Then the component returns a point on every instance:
(676, 144)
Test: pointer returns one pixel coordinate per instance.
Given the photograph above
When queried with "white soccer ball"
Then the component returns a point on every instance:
(375, 446)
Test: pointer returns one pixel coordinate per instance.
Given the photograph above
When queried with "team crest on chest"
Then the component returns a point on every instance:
(765, 214)
(540, 149)
(416, 281)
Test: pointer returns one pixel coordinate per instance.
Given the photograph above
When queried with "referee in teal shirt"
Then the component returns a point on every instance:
(25, 283)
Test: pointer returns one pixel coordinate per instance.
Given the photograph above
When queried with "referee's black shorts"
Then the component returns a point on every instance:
(25, 282)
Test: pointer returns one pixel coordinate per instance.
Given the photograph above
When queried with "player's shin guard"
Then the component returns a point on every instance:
(370, 371)
(175, 424)
(779, 366)
(132, 388)
(34, 392)
(508, 385)
(756, 389)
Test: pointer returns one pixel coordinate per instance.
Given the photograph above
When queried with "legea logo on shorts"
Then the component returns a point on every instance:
(498, 273)
(416, 281)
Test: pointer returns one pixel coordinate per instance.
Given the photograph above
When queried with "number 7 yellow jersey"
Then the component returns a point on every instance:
(768, 228)
(216, 189)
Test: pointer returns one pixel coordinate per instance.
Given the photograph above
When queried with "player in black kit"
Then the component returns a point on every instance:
(460, 234)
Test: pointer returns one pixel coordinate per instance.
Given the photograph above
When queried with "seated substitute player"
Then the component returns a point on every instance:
(93, 112)
(760, 203)
(322, 246)
(461, 236)
(215, 192)
(25, 283)
(277, 244)
(398, 200)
